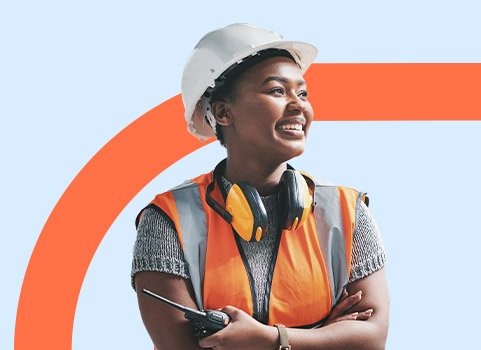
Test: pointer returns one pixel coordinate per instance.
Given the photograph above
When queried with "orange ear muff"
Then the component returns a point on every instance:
(296, 198)
(246, 213)
(249, 216)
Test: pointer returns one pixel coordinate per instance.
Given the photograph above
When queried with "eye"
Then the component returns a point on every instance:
(277, 91)
(303, 94)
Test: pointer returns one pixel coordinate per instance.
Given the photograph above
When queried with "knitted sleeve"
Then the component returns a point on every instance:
(368, 253)
(157, 247)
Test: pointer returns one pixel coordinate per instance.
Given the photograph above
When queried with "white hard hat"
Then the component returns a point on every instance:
(217, 51)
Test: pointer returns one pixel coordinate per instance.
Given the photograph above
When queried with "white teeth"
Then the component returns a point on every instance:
(291, 127)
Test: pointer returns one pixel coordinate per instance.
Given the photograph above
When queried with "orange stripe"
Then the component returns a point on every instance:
(395, 91)
(132, 159)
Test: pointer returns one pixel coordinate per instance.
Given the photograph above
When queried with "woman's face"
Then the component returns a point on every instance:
(270, 114)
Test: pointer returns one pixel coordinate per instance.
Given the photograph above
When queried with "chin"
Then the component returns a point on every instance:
(297, 153)
(292, 152)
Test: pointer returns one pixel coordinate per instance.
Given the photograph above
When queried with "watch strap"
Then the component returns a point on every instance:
(283, 339)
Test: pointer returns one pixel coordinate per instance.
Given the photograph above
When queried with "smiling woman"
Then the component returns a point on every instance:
(292, 262)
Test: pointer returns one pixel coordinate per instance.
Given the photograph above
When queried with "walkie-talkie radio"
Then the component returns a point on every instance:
(204, 323)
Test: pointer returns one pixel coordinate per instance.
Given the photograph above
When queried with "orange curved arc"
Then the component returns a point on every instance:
(94, 199)
(83, 215)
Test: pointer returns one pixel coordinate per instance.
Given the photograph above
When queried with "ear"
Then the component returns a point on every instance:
(220, 111)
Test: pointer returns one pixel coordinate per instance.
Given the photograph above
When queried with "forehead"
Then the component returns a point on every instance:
(275, 66)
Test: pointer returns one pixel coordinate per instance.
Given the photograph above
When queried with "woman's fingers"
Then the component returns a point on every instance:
(359, 316)
(344, 295)
(365, 315)
(348, 317)
(345, 305)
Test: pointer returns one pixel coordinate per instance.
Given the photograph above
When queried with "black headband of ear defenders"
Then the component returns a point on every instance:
(236, 70)
(219, 209)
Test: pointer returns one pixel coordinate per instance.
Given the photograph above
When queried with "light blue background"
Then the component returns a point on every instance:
(72, 75)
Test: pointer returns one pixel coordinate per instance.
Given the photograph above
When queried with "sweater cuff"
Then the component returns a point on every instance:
(368, 267)
(172, 266)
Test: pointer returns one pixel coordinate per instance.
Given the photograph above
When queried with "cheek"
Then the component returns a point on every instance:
(270, 111)
(259, 117)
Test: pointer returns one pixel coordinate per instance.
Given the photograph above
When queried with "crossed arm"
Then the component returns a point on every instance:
(169, 329)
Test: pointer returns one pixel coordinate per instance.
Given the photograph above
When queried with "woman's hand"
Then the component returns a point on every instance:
(243, 332)
(340, 312)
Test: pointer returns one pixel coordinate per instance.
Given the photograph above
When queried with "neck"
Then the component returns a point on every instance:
(263, 176)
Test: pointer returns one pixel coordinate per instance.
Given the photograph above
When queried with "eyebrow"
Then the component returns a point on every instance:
(282, 80)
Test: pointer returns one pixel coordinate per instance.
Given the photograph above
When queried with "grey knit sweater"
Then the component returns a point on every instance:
(157, 247)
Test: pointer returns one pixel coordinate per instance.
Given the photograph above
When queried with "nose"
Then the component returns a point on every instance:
(297, 104)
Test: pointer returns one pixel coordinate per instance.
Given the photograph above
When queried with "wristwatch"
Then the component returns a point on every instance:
(283, 340)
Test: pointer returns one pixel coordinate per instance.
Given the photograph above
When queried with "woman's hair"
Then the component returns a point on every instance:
(225, 85)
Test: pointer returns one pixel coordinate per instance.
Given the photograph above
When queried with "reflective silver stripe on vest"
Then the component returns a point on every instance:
(331, 237)
(193, 224)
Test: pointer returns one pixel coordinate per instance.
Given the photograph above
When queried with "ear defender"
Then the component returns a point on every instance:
(296, 198)
(249, 217)
(246, 213)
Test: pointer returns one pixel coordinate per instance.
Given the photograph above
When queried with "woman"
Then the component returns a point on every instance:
(255, 238)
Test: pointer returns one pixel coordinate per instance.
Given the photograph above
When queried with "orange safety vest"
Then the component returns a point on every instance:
(306, 278)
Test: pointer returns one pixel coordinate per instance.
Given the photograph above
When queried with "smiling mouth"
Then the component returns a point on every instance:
(296, 127)
(291, 131)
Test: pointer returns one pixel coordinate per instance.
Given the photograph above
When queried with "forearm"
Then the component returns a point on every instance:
(340, 335)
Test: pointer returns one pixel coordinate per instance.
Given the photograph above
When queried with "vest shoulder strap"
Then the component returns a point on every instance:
(335, 210)
(184, 206)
